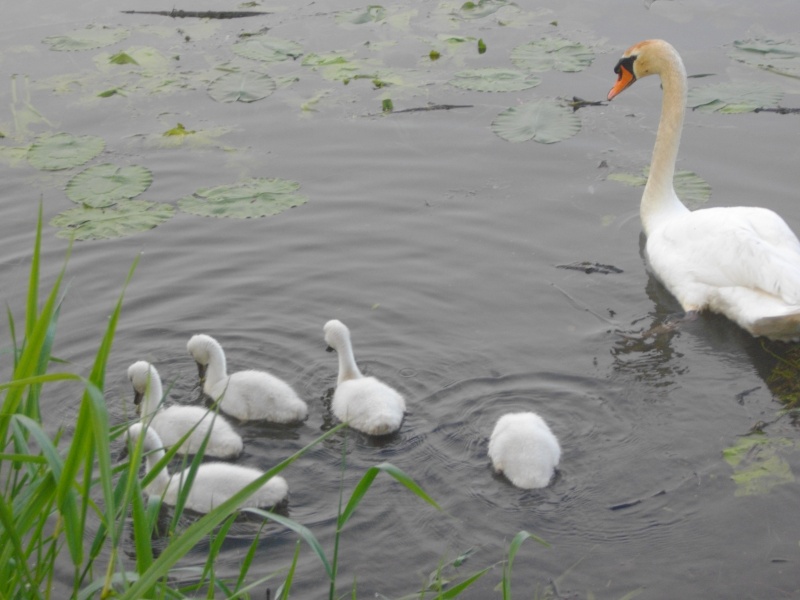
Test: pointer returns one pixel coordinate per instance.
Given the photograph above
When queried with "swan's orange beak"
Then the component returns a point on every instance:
(626, 78)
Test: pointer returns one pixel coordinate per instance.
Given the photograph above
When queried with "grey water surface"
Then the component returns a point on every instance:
(439, 244)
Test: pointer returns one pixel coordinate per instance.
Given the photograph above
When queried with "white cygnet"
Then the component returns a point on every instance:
(523, 448)
(246, 395)
(172, 423)
(365, 403)
(213, 484)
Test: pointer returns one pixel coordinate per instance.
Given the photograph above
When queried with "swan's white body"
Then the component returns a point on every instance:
(174, 422)
(213, 484)
(246, 395)
(523, 448)
(365, 403)
(742, 262)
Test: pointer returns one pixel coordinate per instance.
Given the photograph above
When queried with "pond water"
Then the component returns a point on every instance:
(439, 244)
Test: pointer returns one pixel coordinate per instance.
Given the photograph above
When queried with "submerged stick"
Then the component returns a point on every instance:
(206, 14)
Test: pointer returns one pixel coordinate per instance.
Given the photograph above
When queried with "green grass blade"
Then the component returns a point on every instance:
(300, 530)
(286, 588)
(454, 591)
(366, 481)
(512, 552)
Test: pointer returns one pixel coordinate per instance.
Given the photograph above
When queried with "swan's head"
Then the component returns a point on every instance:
(649, 57)
(200, 347)
(150, 442)
(336, 334)
(140, 374)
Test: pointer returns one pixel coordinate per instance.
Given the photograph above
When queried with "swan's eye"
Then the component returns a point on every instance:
(625, 64)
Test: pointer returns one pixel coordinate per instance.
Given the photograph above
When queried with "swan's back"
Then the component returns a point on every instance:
(216, 482)
(369, 405)
(258, 395)
(524, 449)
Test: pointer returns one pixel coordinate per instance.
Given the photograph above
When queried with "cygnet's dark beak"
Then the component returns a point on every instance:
(329, 349)
(201, 371)
(123, 454)
(137, 397)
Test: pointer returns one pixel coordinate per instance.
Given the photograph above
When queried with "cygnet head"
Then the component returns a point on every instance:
(336, 334)
(151, 440)
(202, 347)
(140, 374)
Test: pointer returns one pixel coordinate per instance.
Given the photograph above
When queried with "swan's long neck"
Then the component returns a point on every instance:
(659, 201)
(216, 369)
(153, 394)
(348, 369)
(161, 481)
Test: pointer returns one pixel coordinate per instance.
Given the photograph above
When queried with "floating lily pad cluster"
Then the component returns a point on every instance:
(733, 97)
(779, 56)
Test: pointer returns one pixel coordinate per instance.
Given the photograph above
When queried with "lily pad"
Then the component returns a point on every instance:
(780, 56)
(692, 189)
(542, 121)
(63, 151)
(126, 218)
(733, 97)
(244, 86)
(483, 8)
(86, 39)
(494, 80)
(267, 48)
(358, 16)
(103, 185)
(758, 465)
(257, 197)
(549, 54)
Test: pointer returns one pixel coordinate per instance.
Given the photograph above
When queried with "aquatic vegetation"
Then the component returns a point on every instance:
(552, 54)
(730, 98)
(543, 121)
(125, 218)
(89, 38)
(257, 197)
(778, 56)
(54, 152)
(758, 463)
(494, 80)
(102, 185)
(241, 86)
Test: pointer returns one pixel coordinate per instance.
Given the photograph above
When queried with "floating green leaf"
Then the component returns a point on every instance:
(733, 97)
(693, 190)
(244, 86)
(481, 46)
(251, 198)
(86, 39)
(103, 185)
(542, 121)
(483, 8)
(359, 16)
(550, 53)
(63, 151)
(494, 80)
(179, 130)
(126, 218)
(757, 464)
(780, 56)
(122, 58)
(267, 48)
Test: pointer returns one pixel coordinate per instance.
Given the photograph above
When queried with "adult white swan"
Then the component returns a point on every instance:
(743, 262)
(213, 484)
(174, 422)
(246, 395)
(523, 448)
(366, 403)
